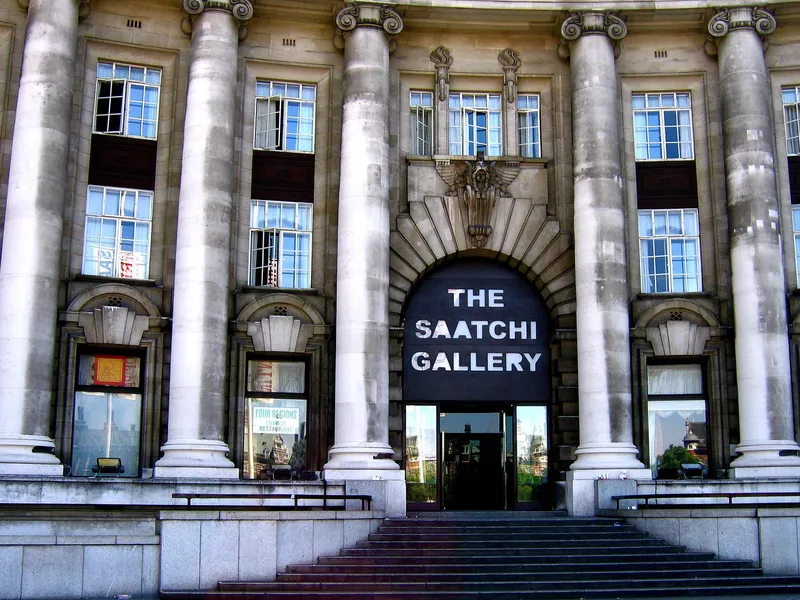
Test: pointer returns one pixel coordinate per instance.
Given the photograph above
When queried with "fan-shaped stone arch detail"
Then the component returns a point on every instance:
(280, 305)
(677, 310)
(116, 295)
(523, 235)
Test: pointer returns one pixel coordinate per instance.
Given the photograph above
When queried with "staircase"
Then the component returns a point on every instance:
(490, 556)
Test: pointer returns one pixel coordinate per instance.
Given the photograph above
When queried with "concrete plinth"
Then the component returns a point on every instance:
(387, 488)
(583, 496)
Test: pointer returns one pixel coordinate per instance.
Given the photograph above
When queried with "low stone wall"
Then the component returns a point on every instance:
(765, 534)
(97, 538)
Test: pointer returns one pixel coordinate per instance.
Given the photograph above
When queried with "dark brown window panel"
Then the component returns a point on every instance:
(283, 176)
(118, 161)
(794, 178)
(666, 184)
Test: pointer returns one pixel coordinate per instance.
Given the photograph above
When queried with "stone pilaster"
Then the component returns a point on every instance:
(603, 321)
(442, 60)
(29, 273)
(362, 276)
(195, 446)
(767, 445)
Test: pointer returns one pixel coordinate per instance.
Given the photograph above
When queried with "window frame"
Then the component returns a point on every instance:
(418, 113)
(276, 94)
(459, 132)
(280, 233)
(792, 138)
(118, 240)
(128, 84)
(249, 395)
(670, 275)
(525, 113)
(703, 396)
(662, 127)
(140, 390)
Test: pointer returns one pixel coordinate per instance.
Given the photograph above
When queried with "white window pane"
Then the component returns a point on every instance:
(112, 202)
(674, 379)
(137, 74)
(645, 224)
(105, 70)
(94, 202)
(273, 214)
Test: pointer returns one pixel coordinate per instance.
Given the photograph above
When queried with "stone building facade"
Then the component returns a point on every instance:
(260, 240)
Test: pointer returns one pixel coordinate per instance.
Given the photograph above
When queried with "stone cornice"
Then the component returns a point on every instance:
(747, 17)
(593, 23)
(369, 14)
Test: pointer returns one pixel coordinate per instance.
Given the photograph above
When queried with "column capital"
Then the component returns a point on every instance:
(369, 14)
(84, 7)
(593, 23)
(241, 10)
(745, 17)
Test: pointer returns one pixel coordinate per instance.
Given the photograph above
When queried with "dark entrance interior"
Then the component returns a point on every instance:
(473, 474)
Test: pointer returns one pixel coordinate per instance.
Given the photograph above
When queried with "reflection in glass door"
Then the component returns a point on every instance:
(531, 471)
(421, 456)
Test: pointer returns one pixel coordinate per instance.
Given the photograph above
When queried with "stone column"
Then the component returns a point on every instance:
(362, 275)
(604, 371)
(29, 273)
(759, 287)
(197, 395)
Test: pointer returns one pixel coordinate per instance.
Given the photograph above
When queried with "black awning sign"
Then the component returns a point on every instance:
(474, 331)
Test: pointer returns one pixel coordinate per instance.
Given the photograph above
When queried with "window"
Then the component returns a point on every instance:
(285, 116)
(676, 414)
(126, 101)
(791, 102)
(275, 419)
(662, 126)
(421, 123)
(108, 412)
(528, 119)
(117, 236)
(669, 245)
(475, 124)
(280, 244)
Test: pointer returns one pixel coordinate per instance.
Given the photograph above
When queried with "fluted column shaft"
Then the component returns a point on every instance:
(200, 310)
(603, 321)
(362, 276)
(759, 289)
(29, 273)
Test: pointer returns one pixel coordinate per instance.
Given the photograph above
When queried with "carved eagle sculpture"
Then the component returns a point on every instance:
(477, 184)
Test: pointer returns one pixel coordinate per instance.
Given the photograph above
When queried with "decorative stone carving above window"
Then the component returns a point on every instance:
(279, 334)
(442, 60)
(510, 61)
(113, 325)
(477, 184)
(678, 338)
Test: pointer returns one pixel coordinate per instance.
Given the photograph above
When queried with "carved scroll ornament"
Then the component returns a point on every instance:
(477, 184)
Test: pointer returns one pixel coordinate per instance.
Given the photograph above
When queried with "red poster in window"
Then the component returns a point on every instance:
(126, 264)
(109, 370)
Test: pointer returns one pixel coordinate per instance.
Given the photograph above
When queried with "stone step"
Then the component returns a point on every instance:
(484, 544)
(541, 566)
(468, 577)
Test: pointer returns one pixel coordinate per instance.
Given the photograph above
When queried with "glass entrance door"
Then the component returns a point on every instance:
(477, 460)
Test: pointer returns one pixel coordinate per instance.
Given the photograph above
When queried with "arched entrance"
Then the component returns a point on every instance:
(476, 390)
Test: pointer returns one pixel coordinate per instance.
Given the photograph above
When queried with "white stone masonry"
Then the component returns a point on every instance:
(29, 273)
(766, 420)
(362, 276)
(195, 446)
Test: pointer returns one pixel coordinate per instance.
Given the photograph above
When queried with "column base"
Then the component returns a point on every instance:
(364, 456)
(29, 455)
(387, 488)
(768, 459)
(582, 492)
(203, 459)
(606, 457)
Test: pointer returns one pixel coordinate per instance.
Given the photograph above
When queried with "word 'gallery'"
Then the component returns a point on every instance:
(393, 242)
